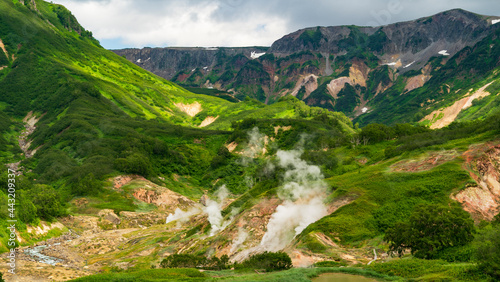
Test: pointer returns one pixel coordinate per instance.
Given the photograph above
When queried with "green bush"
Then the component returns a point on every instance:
(269, 261)
(195, 261)
(431, 229)
(47, 202)
(487, 253)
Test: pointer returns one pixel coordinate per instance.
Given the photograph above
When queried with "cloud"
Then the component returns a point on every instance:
(139, 23)
(176, 23)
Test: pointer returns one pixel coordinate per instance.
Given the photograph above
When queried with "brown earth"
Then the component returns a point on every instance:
(310, 83)
(482, 198)
(444, 117)
(2, 46)
(165, 199)
(208, 121)
(425, 162)
(190, 109)
(415, 82)
(122, 180)
(358, 73)
(336, 85)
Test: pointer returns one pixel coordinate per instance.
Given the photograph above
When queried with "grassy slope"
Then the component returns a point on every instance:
(134, 90)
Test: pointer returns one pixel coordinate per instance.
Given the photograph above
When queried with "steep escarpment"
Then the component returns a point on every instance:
(167, 62)
(415, 40)
(377, 61)
(482, 197)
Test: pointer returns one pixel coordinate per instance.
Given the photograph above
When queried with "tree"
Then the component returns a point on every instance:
(487, 254)
(376, 133)
(87, 185)
(430, 229)
(26, 211)
(269, 261)
(46, 201)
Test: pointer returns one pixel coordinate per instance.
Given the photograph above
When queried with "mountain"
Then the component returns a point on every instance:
(378, 64)
(114, 174)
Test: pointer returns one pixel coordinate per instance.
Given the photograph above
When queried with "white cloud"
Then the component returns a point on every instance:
(174, 24)
(139, 23)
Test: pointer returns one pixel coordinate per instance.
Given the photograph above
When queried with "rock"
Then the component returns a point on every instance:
(204, 199)
(110, 215)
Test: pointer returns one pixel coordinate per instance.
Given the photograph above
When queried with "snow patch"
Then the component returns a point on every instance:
(211, 48)
(255, 55)
(391, 64)
(409, 65)
(444, 52)
(205, 68)
(364, 110)
(139, 60)
(495, 21)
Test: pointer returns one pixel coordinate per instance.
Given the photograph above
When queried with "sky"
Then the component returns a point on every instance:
(121, 24)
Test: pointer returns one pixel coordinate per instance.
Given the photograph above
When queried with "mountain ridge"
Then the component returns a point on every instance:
(325, 54)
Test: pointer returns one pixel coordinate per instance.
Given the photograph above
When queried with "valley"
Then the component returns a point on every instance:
(365, 151)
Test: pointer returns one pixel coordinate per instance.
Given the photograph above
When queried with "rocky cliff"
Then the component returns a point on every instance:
(370, 61)
(167, 62)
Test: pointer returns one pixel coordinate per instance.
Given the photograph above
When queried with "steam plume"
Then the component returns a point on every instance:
(242, 236)
(214, 208)
(182, 216)
(303, 195)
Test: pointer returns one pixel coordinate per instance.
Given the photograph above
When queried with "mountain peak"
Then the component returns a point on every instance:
(455, 28)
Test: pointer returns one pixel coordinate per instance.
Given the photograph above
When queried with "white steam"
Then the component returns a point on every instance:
(303, 195)
(213, 209)
(242, 236)
(182, 216)
(256, 146)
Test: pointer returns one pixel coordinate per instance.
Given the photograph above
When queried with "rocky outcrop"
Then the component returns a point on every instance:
(416, 40)
(190, 109)
(482, 198)
(109, 215)
(167, 62)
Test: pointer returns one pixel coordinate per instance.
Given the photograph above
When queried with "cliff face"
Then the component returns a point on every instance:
(387, 62)
(167, 62)
(412, 40)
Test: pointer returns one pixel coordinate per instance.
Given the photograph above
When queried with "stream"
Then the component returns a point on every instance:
(36, 254)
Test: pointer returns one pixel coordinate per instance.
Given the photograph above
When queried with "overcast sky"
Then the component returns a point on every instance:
(209, 23)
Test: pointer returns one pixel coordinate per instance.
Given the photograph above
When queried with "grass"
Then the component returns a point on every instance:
(148, 275)
(295, 274)
(383, 197)
(430, 270)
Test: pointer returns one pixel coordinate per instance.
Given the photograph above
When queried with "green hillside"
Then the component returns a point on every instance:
(99, 115)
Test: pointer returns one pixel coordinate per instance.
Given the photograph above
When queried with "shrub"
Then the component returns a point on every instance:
(195, 261)
(431, 229)
(488, 251)
(269, 261)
